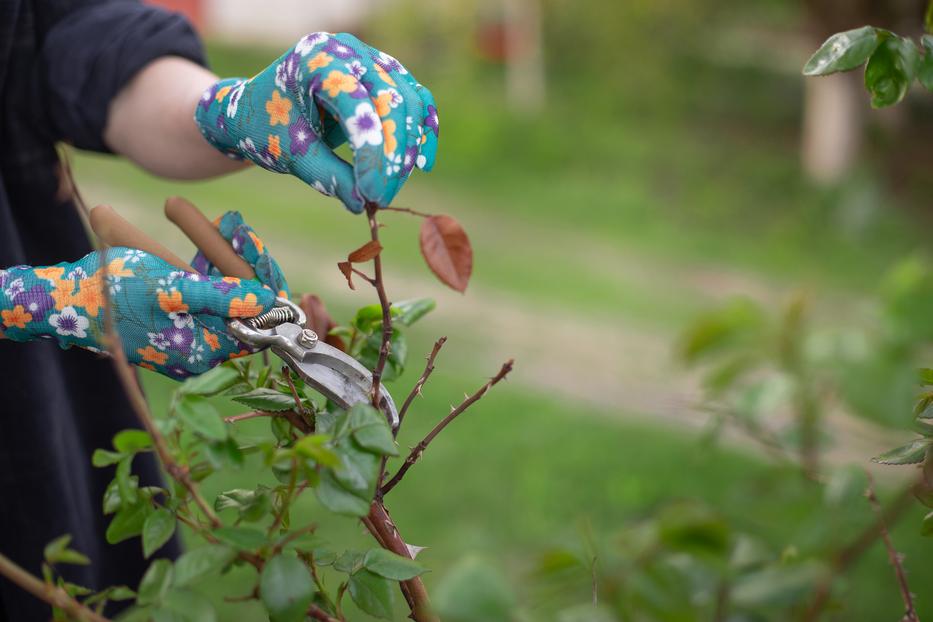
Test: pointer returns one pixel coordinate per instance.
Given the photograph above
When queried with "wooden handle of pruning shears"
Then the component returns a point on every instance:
(117, 231)
(206, 237)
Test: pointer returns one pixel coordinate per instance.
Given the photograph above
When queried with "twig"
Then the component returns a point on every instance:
(317, 613)
(408, 210)
(454, 413)
(53, 595)
(847, 556)
(129, 380)
(250, 415)
(131, 386)
(416, 390)
(363, 276)
(287, 500)
(910, 613)
(296, 418)
(379, 284)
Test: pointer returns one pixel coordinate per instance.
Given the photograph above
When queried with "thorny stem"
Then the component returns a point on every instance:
(454, 413)
(379, 284)
(845, 557)
(910, 613)
(416, 390)
(53, 595)
(378, 522)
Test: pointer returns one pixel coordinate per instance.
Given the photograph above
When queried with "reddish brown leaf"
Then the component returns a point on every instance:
(447, 251)
(347, 268)
(320, 321)
(365, 252)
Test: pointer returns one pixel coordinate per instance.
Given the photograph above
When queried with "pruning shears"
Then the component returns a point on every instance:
(333, 373)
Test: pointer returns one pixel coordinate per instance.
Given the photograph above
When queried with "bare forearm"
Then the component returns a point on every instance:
(151, 122)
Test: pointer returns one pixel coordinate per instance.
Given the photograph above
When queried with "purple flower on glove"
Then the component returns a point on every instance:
(36, 301)
(338, 49)
(301, 136)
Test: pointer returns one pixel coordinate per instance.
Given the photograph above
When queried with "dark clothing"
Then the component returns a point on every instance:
(61, 63)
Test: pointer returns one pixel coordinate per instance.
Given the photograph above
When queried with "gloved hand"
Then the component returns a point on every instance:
(250, 248)
(168, 320)
(325, 90)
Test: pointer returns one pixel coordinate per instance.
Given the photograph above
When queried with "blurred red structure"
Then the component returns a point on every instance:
(192, 9)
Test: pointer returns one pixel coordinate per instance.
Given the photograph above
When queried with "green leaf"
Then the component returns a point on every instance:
(339, 500)
(925, 374)
(57, 552)
(131, 441)
(155, 582)
(928, 18)
(372, 594)
(371, 430)
(103, 457)
(286, 589)
(912, 453)
(843, 51)
(925, 76)
(369, 318)
(890, 70)
(244, 538)
(251, 505)
(124, 481)
(398, 353)
(776, 586)
(201, 417)
(128, 522)
(410, 311)
(216, 380)
(224, 454)
(158, 528)
(349, 561)
(473, 590)
(189, 606)
(391, 566)
(926, 527)
(198, 563)
(112, 499)
(269, 400)
(312, 446)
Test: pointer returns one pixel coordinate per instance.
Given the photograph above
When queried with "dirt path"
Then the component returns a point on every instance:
(607, 365)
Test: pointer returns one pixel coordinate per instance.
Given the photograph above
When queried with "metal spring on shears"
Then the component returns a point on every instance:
(271, 318)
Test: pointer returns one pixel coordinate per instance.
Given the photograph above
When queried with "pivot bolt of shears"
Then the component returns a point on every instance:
(307, 338)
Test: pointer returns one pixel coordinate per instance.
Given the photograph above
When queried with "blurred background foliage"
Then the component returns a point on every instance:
(659, 171)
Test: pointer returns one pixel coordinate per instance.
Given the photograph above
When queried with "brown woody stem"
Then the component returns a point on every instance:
(53, 595)
(416, 390)
(454, 413)
(379, 284)
(910, 613)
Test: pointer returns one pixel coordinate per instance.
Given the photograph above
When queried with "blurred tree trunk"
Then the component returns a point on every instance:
(834, 106)
(524, 55)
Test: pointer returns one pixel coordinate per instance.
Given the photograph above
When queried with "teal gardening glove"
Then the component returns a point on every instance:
(169, 320)
(324, 91)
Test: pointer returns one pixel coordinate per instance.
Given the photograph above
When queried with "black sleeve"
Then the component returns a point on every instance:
(91, 49)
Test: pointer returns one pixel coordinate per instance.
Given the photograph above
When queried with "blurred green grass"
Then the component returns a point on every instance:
(592, 213)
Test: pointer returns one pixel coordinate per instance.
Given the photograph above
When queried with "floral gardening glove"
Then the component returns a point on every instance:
(326, 90)
(169, 321)
(250, 248)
